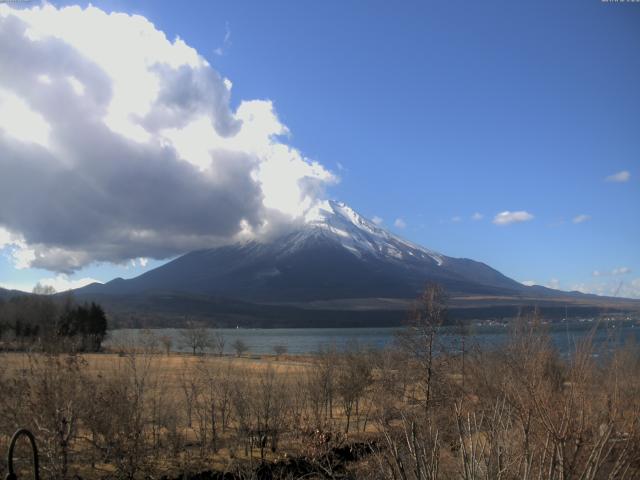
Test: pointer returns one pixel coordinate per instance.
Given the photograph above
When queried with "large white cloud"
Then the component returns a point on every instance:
(118, 143)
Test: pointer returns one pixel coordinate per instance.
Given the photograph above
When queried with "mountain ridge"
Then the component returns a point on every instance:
(335, 269)
(336, 254)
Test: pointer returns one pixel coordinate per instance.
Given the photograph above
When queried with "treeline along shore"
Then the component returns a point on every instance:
(42, 322)
(416, 410)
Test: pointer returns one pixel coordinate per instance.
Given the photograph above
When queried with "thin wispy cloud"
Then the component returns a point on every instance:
(138, 262)
(477, 216)
(620, 271)
(62, 283)
(581, 218)
(611, 287)
(619, 177)
(377, 220)
(613, 272)
(553, 283)
(226, 42)
(507, 217)
(400, 223)
(456, 219)
(557, 223)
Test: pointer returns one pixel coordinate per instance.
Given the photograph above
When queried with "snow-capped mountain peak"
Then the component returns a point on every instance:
(359, 235)
(335, 254)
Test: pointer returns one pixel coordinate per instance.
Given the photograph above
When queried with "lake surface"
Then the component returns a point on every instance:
(310, 340)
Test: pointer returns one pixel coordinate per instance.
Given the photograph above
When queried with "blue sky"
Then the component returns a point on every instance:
(431, 112)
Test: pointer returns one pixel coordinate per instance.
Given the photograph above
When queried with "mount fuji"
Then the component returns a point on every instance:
(337, 264)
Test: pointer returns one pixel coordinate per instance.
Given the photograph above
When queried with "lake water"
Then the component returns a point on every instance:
(309, 340)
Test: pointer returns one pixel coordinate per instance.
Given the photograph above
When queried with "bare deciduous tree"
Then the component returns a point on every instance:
(240, 347)
(218, 343)
(353, 376)
(196, 337)
(167, 342)
(279, 350)
(261, 410)
(419, 337)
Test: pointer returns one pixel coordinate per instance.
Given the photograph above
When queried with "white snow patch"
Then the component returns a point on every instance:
(359, 235)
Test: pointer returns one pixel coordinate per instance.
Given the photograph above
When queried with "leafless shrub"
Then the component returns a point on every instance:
(411, 451)
(353, 377)
(535, 415)
(260, 409)
(321, 386)
(280, 350)
(53, 407)
(149, 341)
(167, 342)
(212, 402)
(189, 387)
(116, 416)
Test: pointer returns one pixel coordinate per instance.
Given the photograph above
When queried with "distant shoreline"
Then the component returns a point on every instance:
(306, 341)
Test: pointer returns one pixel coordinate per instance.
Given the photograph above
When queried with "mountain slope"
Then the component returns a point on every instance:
(5, 294)
(335, 254)
(336, 269)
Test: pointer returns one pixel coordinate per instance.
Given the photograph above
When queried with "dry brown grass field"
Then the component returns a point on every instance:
(522, 411)
(177, 394)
